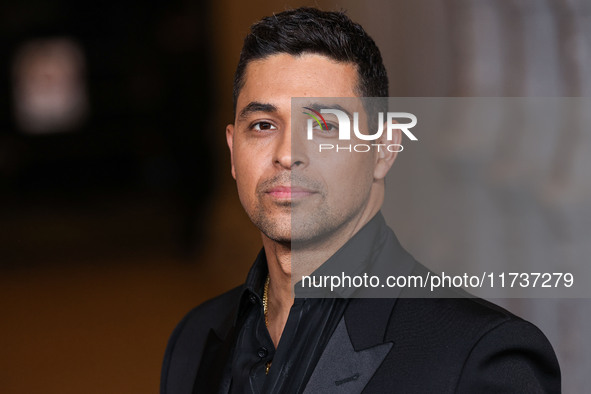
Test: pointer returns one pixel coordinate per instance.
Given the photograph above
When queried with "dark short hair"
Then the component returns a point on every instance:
(309, 30)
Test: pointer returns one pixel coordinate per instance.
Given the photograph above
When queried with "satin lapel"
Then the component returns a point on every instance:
(214, 363)
(216, 353)
(367, 321)
(342, 369)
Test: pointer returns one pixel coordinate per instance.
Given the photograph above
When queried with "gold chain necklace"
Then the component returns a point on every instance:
(265, 300)
(265, 309)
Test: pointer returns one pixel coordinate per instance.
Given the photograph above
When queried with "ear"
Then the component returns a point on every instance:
(385, 158)
(230, 141)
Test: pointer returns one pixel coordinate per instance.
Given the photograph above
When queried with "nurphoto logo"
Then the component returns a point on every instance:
(317, 123)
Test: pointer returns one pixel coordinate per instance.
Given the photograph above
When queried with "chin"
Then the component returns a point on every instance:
(307, 238)
(280, 234)
(281, 239)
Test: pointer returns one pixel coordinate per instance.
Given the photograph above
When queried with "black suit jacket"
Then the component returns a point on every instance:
(404, 345)
(448, 344)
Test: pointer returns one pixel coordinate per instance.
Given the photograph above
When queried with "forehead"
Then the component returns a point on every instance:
(277, 78)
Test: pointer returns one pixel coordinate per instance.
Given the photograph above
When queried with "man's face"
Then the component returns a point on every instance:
(289, 190)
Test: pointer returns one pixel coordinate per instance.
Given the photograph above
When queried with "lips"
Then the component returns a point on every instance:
(289, 192)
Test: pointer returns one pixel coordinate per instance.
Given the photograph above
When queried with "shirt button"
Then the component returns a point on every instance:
(262, 352)
(252, 299)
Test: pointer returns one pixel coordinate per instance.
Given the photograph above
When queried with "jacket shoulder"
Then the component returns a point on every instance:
(517, 351)
(214, 308)
(185, 345)
(468, 345)
(210, 314)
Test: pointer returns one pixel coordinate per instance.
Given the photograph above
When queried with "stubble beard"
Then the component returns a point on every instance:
(288, 221)
(299, 225)
(303, 224)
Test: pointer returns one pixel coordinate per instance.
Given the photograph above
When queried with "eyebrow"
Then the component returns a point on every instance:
(319, 106)
(255, 106)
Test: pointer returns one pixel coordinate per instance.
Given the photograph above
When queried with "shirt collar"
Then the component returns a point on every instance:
(252, 292)
(352, 257)
(255, 280)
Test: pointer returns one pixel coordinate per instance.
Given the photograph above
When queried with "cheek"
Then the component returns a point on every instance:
(349, 170)
(253, 158)
(245, 174)
(248, 173)
(246, 188)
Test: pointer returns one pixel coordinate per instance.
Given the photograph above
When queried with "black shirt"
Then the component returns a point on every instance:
(310, 324)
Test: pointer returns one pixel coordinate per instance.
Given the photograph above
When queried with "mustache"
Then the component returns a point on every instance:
(289, 179)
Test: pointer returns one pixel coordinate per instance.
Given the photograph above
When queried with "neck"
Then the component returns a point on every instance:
(310, 257)
(280, 295)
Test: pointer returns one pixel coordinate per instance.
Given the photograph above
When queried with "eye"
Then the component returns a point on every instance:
(328, 130)
(331, 127)
(263, 126)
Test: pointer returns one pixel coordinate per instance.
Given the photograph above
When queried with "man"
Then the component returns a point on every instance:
(259, 338)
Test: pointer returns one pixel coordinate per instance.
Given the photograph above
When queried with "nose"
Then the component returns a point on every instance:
(289, 151)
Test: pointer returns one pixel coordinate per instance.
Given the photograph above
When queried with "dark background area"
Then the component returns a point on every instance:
(145, 145)
(112, 230)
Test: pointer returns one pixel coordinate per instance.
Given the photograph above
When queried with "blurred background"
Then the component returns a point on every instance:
(117, 209)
